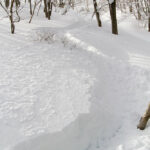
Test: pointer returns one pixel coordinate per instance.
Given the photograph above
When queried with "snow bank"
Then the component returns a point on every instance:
(111, 93)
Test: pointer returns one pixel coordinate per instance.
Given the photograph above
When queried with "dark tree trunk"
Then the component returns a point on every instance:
(7, 3)
(17, 3)
(49, 4)
(112, 8)
(30, 6)
(149, 17)
(149, 24)
(45, 8)
(11, 17)
(97, 13)
(130, 6)
(61, 3)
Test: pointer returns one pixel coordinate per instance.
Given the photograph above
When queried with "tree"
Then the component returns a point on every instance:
(49, 11)
(149, 23)
(10, 13)
(11, 17)
(112, 8)
(45, 8)
(97, 13)
(7, 3)
(48, 8)
(149, 16)
(139, 8)
(30, 4)
(143, 121)
(36, 3)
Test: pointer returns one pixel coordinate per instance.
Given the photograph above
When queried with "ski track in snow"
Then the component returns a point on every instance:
(63, 90)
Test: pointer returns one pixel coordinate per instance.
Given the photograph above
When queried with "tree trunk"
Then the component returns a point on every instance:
(97, 13)
(143, 121)
(112, 8)
(45, 8)
(149, 16)
(130, 6)
(7, 3)
(11, 17)
(138, 10)
(17, 3)
(149, 24)
(49, 4)
(30, 7)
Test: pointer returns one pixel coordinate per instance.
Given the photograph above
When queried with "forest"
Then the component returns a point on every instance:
(74, 74)
(139, 8)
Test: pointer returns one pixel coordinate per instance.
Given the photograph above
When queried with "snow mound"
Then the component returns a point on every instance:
(110, 94)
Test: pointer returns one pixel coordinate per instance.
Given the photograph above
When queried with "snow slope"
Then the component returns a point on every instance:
(67, 84)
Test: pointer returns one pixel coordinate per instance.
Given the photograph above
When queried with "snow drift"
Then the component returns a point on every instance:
(110, 94)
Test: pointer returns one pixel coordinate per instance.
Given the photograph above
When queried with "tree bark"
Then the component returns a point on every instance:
(7, 3)
(112, 8)
(149, 16)
(11, 17)
(97, 13)
(49, 4)
(149, 24)
(45, 8)
(30, 7)
(143, 121)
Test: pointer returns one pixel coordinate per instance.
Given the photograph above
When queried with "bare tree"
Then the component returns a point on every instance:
(36, 3)
(139, 8)
(11, 17)
(149, 16)
(10, 14)
(7, 3)
(45, 8)
(30, 4)
(112, 8)
(49, 11)
(97, 13)
(143, 121)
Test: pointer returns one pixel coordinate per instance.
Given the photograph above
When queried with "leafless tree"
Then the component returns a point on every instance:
(96, 12)
(10, 14)
(112, 8)
(143, 121)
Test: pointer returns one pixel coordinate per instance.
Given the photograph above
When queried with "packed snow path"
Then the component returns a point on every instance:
(69, 85)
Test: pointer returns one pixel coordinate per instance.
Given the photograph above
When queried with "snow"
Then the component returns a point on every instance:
(110, 1)
(67, 84)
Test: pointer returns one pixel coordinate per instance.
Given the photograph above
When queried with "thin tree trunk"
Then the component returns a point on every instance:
(149, 24)
(130, 6)
(149, 16)
(138, 9)
(30, 7)
(11, 17)
(97, 13)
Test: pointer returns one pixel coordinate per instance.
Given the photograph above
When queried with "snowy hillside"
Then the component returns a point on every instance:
(66, 84)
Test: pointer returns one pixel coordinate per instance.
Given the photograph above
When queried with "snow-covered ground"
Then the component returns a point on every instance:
(66, 84)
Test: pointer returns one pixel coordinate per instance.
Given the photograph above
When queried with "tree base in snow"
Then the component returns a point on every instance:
(143, 122)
